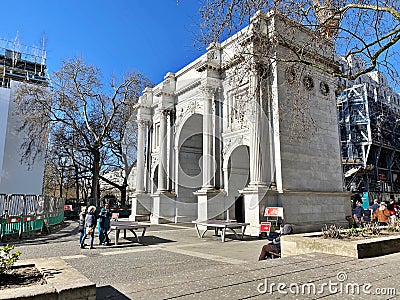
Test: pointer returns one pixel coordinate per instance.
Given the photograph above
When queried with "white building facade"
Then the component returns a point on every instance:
(215, 139)
(17, 68)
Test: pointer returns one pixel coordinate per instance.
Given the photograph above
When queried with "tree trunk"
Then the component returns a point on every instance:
(123, 195)
(94, 199)
(77, 182)
(61, 182)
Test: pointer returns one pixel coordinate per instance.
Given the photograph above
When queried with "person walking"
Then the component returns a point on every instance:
(104, 225)
(381, 214)
(81, 226)
(90, 225)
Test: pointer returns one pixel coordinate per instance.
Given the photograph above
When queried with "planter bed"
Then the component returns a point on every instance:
(358, 247)
(61, 282)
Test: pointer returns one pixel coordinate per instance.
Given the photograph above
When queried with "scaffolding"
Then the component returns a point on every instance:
(21, 63)
(370, 141)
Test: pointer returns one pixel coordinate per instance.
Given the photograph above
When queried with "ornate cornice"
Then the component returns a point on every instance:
(188, 87)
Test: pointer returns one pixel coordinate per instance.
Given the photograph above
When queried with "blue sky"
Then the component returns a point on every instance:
(149, 36)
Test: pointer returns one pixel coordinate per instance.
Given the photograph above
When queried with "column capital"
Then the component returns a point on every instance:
(142, 122)
(209, 90)
(164, 113)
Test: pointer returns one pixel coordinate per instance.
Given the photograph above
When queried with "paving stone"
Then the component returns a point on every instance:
(175, 264)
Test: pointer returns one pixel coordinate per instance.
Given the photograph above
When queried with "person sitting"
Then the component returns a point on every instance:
(381, 214)
(273, 249)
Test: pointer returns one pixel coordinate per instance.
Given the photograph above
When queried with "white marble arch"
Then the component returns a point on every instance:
(189, 121)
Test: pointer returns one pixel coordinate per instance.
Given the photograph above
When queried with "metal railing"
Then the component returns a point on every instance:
(29, 213)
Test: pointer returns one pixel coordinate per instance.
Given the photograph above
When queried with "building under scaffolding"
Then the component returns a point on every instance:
(21, 63)
(18, 65)
(369, 125)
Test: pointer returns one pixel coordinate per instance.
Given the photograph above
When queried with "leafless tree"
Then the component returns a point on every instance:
(367, 29)
(122, 151)
(84, 107)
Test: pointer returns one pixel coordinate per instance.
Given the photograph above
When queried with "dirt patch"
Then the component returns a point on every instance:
(21, 277)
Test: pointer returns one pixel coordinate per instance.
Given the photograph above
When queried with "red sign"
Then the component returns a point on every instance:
(273, 212)
(265, 227)
(68, 207)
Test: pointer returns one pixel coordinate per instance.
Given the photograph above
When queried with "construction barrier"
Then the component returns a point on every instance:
(21, 214)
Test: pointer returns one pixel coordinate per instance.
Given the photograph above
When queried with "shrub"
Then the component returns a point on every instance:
(7, 259)
(332, 232)
(372, 229)
(394, 227)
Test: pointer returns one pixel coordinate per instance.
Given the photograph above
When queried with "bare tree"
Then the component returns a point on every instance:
(367, 29)
(85, 108)
(122, 151)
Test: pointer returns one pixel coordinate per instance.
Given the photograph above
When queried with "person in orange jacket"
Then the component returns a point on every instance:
(382, 214)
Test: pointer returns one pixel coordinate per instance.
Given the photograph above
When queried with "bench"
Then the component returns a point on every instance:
(128, 225)
(221, 225)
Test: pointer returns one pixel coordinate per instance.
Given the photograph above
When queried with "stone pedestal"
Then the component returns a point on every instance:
(141, 207)
(309, 211)
(211, 204)
(163, 208)
(255, 201)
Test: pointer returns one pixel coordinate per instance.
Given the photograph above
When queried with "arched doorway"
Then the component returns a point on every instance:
(189, 166)
(238, 177)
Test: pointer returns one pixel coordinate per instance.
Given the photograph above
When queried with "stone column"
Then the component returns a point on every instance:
(210, 201)
(162, 167)
(163, 209)
(141, 202)
(208, 159)
(258, 147)
(140, 157)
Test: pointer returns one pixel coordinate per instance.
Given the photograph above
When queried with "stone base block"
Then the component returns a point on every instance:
(163, 208)
(211, 204)
(310, 211)
(141, 207)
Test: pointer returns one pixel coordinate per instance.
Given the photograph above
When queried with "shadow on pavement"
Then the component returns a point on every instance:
(108, 292)
(146, 241)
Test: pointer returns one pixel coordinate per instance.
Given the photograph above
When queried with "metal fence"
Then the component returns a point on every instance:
(29, 213)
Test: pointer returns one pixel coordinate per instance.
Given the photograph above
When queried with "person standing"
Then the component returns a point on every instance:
(392, 208)
(359, 214)
(90, 225)
(375, 206)
(381, 214)
(81, 226)
(104, 225)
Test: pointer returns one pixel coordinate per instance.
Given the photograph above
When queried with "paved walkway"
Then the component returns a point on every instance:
(174, 263)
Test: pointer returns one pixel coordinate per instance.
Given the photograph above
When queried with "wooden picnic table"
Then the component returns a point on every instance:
(221, 225)
(131, 226)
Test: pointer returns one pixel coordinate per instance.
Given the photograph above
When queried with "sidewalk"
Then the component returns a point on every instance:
(174, 263)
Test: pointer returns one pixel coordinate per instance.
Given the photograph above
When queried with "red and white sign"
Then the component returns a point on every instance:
(265, 227)
(273, 212)
(13, 220)
(68, 207)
